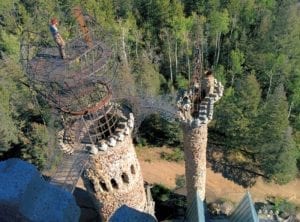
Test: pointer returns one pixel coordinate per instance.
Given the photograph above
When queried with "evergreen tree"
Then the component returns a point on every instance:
(275, 142)
(236, 113)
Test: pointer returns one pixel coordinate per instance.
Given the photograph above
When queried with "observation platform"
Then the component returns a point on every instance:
(77, 84)
(81, 62)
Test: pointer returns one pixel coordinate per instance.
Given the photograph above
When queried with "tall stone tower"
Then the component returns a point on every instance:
(115, 174)
(78, 88)
(195, 113)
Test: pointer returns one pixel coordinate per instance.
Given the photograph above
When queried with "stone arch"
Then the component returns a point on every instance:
(125, 178)
(114, 183)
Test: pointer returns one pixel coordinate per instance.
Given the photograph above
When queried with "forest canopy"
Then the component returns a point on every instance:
(253, 47)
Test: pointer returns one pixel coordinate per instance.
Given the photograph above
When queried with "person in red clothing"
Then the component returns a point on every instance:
(57, 37)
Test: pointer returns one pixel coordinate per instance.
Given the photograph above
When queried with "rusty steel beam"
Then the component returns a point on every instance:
(77, 12)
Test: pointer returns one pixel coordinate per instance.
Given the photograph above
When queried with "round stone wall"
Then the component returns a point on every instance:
(195, 142)
(115, 178)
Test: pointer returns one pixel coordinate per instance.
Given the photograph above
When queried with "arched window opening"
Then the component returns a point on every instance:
(125, 178)
(114, 184)
(132, 169)
(103, 186)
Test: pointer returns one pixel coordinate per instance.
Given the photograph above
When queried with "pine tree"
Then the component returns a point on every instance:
(275, 143)
(237, 111)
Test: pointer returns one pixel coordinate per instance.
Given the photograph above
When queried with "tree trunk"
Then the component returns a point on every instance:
(137, 37)
(188, 61)
(189, 67)
(216, 49)
(290, 109)
(234, 21)
(232, 79)
(176, 59)
(170, 58)
(270, 84)
(124, 48)
(219, 48)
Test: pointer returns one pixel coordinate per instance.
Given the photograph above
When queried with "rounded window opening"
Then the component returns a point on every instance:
(125, 178)
(114, 184)
(132, 169)
(103, 186)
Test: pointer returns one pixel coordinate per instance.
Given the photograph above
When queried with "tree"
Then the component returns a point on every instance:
(236, 113)
(8, 92)
(237, 60)
(218, 25)
(158, 131)
(35, 151)
(275, 142)
(148, 79)
(285, 168)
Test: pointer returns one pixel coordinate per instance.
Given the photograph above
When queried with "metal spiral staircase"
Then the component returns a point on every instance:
(77, 88)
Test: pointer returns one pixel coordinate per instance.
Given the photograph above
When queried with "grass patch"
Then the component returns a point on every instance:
(175, 155)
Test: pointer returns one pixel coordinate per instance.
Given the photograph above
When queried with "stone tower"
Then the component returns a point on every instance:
(79, 90)
(195, 113)
(115, 174)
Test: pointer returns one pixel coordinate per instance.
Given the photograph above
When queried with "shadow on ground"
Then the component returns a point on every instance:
(241, 173)
(168, 204)
(89, 211)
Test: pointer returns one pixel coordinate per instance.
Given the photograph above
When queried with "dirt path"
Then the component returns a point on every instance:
(156, 170)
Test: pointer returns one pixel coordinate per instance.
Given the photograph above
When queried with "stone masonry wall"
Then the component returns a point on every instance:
(195, 142)
(194, 118)
(116, 178)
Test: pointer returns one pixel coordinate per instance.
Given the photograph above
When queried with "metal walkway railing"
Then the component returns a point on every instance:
(70, 170)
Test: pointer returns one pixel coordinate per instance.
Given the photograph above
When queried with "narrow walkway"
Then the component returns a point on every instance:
(70, 170)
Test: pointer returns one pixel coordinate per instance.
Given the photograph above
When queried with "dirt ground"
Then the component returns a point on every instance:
(156, 170)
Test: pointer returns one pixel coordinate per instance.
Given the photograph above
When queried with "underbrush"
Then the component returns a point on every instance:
(175, 155)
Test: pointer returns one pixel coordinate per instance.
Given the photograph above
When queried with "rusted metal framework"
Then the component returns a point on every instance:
(74, 84)
(78, 85)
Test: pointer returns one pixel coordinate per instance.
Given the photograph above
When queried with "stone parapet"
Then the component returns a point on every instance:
(199, 112)
(115, 178)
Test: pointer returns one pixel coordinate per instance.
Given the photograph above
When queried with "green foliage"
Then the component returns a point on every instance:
(9, 44)
(237, 60)
(180, 181)
(158, 131)
(219, 22)
(182, 83)
(8, 91)
(23, 134)
(273, 118)
(282, 205)
(156, 40)
(276, 145)
(147, 76)
(176, 155)
(168, 204)
(237, 111)
(160, 193)
(141, 142)
(35, 150)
